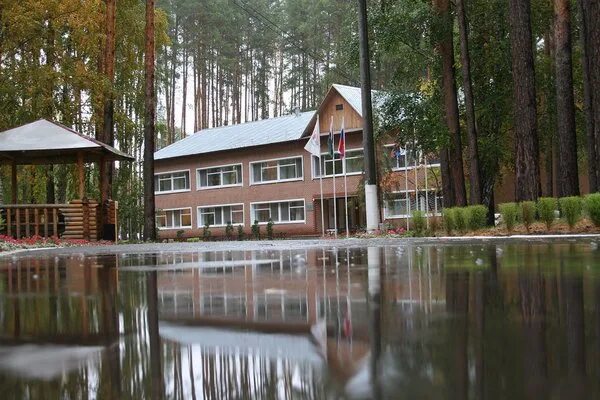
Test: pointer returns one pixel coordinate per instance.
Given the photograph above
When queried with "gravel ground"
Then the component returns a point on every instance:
(296, 244)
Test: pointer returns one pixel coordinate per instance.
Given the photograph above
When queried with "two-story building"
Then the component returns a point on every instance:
(260, 171)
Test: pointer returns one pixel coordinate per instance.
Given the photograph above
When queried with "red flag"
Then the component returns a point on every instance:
(342, 143)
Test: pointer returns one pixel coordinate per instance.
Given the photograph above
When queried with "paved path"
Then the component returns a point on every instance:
(297, 244)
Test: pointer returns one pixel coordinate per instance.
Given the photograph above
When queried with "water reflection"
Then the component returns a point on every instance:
(458, 322)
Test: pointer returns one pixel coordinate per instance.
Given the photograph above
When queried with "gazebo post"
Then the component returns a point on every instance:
(13, 181)
(81, 174)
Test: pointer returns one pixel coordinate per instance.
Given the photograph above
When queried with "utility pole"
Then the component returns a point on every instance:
(372, 207)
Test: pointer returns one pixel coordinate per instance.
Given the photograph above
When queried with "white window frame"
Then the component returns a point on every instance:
(156, 188)
(176, 227)
(200, 187)
(278, 180)
(253, 217)
(420, 160)
(313, 158)
(199, 220)
(403, 193)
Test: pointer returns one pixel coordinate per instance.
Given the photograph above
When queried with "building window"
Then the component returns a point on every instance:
(221, 215)
(172, 182)
(401, 204)
(286, 169)
(180, 218)
(353, 164)
(280, 212)
(223, 176)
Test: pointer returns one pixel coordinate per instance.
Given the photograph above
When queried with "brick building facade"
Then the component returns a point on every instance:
(260, 171)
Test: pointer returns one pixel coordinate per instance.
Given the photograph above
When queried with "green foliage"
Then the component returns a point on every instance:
(449, 215)
(193, 240)
(229, 230)
(592, 208)
(179, 234)
(434, 224)
(546, 207)
(240, 232)
(477, 217)
(571, 209)
(509, 212)
(255, 230)
(418, 222)
(206, 233)
(461, 218)
(270, 229)
(528, 213)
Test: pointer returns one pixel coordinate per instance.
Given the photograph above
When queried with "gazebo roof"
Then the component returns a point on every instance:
(46, 142)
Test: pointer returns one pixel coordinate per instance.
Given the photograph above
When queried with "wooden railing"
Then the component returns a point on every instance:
(79, 219)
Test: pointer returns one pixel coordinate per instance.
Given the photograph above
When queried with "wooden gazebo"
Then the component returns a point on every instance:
(46, 143)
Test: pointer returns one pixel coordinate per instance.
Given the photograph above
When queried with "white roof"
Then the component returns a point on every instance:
(43, 135)
(51, 141)
(266, 131)
(353, 95)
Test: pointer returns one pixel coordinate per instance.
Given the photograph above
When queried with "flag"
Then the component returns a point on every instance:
(330, 139)
(342, 143)
(313, 146)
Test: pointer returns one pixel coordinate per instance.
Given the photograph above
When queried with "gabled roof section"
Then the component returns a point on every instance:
(47, 142)
(352, 95)
(230, 137)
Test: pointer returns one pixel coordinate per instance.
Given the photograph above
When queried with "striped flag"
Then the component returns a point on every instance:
(342, 143)
(330, 139)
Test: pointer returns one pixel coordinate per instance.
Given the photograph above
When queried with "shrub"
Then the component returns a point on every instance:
(240, 232)
(477, 217)
(527, 213)
(270, 229)
(461, 218)
(255, 230)
(509, 212)
(418, 222)
(206, 233)
(592, 208)
(571, 209)
(179, 234)
(229, 230)
(449, 216)
(545, 208)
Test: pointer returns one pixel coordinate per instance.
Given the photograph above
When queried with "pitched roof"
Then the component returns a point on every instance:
(256, 133)
(353, 95)
(267, 131)
(44, 141)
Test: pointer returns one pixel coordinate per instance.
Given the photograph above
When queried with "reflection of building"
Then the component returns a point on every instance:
(57, 313)
(261, 171)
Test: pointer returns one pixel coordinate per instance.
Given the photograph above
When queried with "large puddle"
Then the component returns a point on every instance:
(415, 322)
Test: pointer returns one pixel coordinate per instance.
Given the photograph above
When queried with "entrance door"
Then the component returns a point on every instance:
(356, 214)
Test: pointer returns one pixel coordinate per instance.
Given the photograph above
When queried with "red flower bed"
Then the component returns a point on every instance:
(36, 241)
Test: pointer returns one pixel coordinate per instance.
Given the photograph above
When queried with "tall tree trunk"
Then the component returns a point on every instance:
(149, 128)
(591, 70)
(445, 48)
(49, 107)
(108, 126)
(465, 59)
(567, 176)
(184, 92)
(527, 165)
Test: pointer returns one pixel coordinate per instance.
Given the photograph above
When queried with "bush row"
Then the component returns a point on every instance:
(572, 209)
(462, 219)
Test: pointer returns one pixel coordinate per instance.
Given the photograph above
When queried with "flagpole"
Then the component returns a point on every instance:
(318, 129)
(345, 183)
(332, 134)
(406, 187)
